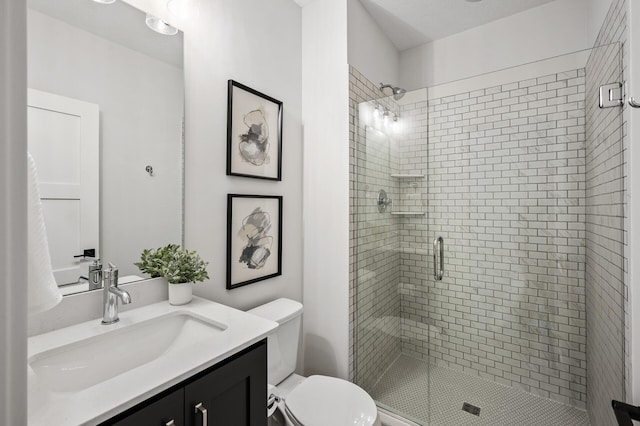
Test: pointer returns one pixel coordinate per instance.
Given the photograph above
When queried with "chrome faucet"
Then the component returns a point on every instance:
(94, 277)
(110, 295)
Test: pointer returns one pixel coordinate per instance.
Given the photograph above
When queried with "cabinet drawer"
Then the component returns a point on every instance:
(157, 413)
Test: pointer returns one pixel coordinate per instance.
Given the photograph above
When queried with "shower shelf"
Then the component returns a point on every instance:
(412, 250)
(407, 176)
(407, 213)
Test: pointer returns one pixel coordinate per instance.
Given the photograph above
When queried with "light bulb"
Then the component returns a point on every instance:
(159, 26)
(376, 111)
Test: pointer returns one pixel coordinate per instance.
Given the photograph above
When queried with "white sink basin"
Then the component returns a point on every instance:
(93, 360)
(86, 373)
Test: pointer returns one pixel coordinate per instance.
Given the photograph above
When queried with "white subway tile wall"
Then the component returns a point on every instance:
(506, 191)
(606, 171)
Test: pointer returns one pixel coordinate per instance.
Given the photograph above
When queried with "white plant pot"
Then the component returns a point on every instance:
(180, 294)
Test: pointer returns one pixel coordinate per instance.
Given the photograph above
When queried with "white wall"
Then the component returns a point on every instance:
(557, 64)
(325, 95)
(370, 50)
(552, 29)
(257, 43)
(596, 12)
(13, 213)
(141, 109)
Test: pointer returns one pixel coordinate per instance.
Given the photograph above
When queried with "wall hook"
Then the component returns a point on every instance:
(149, 170)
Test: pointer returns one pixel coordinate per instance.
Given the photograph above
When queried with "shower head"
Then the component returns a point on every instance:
(397, 92)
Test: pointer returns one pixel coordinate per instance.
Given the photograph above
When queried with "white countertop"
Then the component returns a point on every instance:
(106, 399)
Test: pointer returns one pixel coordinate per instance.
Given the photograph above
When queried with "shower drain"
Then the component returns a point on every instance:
(471, 409)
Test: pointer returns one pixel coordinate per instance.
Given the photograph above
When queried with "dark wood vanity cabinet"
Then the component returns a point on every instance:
(233, 393)
(161, 411)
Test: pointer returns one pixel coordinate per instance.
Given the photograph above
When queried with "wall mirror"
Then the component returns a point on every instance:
(105, 119)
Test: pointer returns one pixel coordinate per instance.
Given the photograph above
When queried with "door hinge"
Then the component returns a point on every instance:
(611, 95)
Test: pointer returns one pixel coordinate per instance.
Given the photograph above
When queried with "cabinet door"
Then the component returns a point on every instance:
(233, 394)
(161, 412)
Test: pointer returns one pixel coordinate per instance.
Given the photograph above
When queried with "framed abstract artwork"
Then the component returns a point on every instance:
(254, 238)
(254, 133)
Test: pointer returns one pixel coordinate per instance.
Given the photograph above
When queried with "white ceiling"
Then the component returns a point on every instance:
(409, 23)
(118, 22)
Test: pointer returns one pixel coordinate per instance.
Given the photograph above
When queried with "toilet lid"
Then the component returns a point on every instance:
(322, 401)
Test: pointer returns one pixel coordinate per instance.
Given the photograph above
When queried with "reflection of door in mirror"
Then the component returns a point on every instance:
(63, 139)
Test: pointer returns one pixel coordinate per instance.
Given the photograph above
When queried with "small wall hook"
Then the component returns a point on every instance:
(149, 170)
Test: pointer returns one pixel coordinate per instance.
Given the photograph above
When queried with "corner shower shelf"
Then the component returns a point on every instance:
(412, 250)
(407, 213)
(407, 176)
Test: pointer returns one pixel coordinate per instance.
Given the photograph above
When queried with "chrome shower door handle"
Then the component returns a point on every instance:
(438, 251)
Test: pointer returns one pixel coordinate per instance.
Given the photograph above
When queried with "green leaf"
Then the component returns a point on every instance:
(176, 264)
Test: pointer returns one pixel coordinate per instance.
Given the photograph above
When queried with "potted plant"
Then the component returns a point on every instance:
(179, 266)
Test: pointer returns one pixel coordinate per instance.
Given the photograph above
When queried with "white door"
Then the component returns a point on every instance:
(63, 138)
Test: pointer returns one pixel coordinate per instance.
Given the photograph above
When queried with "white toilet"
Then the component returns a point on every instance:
(316, 400)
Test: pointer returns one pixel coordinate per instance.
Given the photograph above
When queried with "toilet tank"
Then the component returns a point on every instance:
(282, 349)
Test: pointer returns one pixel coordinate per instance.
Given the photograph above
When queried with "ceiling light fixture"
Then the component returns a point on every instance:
(105, 1)
(159, 26)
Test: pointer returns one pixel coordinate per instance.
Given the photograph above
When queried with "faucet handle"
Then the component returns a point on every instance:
(110, 276)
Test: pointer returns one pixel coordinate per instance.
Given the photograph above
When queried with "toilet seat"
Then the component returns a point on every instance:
(322, 400)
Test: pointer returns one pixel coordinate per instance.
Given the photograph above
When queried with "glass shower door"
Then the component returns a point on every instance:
(391, 332)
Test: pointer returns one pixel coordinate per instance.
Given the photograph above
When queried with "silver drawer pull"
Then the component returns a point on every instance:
(438, 249)
(170, 423)
(200, 408)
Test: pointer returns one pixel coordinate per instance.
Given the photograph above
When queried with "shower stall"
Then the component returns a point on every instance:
(487, 232)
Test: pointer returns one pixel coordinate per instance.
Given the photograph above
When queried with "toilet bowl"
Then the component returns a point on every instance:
(315, 400)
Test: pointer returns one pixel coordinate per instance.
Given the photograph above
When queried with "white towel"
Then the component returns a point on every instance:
(43, 290)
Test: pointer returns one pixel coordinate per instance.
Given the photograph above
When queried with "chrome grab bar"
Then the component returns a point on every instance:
(438, 249)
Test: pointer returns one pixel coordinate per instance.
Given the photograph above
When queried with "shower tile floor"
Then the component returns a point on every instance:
(408, 382)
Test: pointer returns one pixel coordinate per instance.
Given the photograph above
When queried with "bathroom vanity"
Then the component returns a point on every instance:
(154, 366)
(229, 393)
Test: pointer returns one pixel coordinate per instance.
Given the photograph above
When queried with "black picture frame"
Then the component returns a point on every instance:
(252, 154)
(252, 234)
